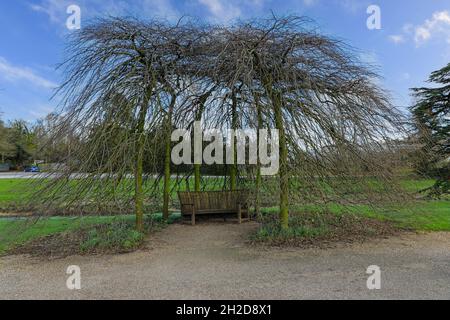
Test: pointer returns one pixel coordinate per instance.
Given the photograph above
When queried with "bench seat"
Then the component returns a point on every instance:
(214, 202)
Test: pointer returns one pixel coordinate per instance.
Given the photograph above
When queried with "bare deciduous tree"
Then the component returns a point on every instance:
(129, 83)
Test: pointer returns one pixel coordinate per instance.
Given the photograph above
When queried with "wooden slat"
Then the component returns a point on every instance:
(213, 201)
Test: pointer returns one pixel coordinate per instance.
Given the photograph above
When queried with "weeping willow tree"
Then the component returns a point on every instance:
(130, 83)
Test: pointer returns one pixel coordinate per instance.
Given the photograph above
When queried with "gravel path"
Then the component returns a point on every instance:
(212, 261)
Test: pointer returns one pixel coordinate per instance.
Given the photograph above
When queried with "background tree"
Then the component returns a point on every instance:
(432, 118)
(49, 149)
(22, 139)
(6, 147)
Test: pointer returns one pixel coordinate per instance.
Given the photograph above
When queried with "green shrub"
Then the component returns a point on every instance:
(115, 237)
(319, 228)
(300, 226)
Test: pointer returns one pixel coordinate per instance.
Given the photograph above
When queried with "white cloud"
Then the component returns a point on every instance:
(310, 3)
(397, 38)
(438, 25)
(14, 73)
(354, 6)
(421, 35)
(408, 28)
(220, 10)
(160, 8)
(56, 9)
(40, 111)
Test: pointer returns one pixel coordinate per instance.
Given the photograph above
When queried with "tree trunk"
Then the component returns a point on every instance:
(234, 124)
(167, 173)
(138, 192)
(139, 162)
(284, 178)
(283, 152)
(258, 165)
(197, 177)
(198, 117)
(167, 176)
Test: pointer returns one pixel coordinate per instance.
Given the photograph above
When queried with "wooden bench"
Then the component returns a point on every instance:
(215, 202)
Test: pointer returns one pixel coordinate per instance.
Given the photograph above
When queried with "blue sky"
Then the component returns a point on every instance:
(414, 38)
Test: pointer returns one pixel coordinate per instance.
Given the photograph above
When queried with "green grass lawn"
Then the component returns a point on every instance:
(12, 190)
(433, 215)
(16, 190)
(18, 231)
(421, 215)
(416, 185)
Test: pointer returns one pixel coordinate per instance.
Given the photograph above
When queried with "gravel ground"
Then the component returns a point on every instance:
(213, 261)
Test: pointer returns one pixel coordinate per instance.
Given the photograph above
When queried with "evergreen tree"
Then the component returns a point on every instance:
(432, 117)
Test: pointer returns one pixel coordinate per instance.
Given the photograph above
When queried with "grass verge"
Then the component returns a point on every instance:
(314, 225)
(63, 236)
(320, 229)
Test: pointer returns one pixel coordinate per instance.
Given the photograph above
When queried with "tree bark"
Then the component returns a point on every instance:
(198, 117)
(284, 177)
(139, 162)
(167, 172)
(197, 177)
(234, 124)
(258, 165)
(276, 99)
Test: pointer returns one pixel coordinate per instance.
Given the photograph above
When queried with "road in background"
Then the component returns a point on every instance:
(19, 175)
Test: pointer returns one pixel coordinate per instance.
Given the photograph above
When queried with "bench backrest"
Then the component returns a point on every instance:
(213, 200)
